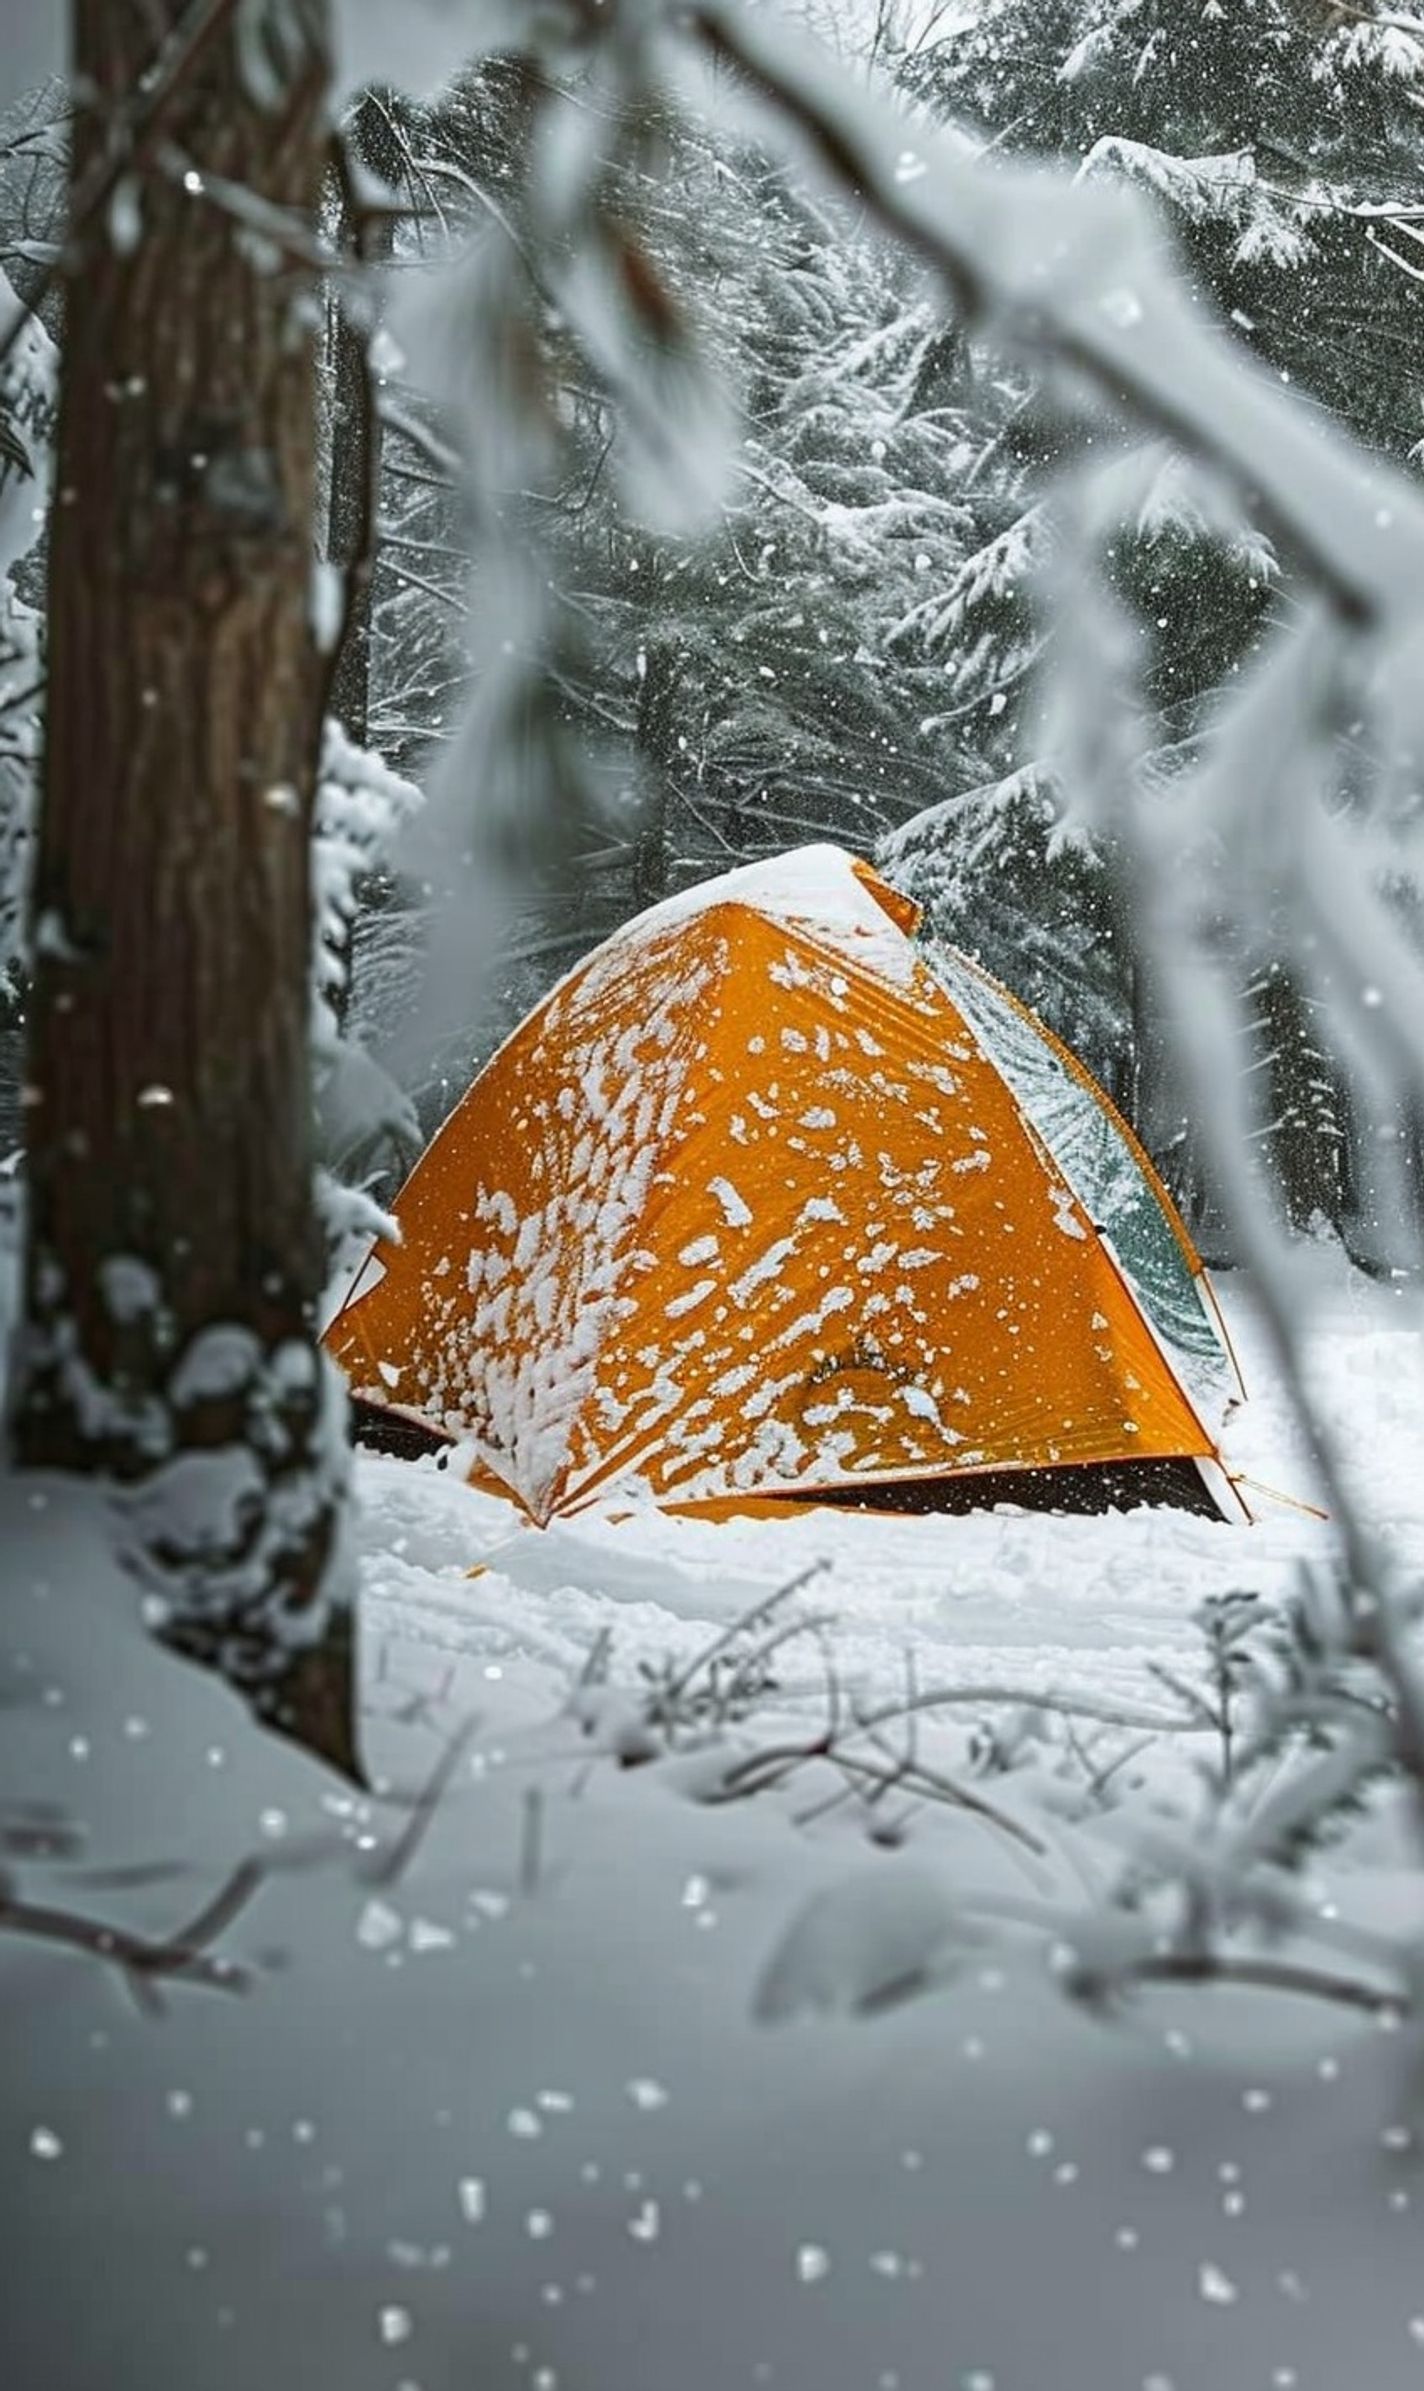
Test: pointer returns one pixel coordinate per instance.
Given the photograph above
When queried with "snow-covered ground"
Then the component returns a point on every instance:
(1047, 1603)
(501, 2111)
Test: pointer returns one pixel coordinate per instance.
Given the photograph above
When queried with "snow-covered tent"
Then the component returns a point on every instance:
(765, 1201)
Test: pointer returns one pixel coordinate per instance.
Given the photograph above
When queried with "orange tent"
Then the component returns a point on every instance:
(755, 1204)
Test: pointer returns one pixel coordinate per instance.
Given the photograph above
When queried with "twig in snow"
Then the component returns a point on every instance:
(392, 1864)
(905, 1772)
(186, 1952)
(1102, 1777)
(1269, 1975)
(137, 1956)
(420, 1703)
(945, 1788)
(1082, 1706)
(531, 1841)
(744, 1678)
(678, 1684)
(595, 1667)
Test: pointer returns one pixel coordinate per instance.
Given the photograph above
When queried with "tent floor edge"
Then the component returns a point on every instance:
(377, 1428)
(1175, 1482)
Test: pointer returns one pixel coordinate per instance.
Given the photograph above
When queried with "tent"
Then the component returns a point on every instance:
(767, 1201)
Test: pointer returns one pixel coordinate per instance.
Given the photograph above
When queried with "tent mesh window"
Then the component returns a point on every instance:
(1090, 1149)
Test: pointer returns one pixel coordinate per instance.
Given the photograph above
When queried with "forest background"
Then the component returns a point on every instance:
(851, 653)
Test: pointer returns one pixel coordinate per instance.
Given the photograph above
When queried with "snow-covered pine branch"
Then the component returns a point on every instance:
(1225, 190)
(362, 807)
(1082, 276)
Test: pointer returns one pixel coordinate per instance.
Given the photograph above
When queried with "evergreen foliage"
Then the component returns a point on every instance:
(851, 653)
(768, 682)
(1280, 140)
(1285, 149)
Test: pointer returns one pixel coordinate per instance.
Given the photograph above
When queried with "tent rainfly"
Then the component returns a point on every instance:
(767, 1200)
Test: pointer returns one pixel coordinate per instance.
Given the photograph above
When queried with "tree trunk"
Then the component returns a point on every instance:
(354, 434)
(659, 697)
(1303, 1128)
(356, 427)
(173, 1258)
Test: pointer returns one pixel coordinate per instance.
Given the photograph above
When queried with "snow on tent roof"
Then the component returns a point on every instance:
(838, 896)
(746, 1207)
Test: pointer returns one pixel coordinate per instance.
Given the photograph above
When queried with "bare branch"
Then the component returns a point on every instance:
(1269, 1975)
(679, 1683)
(391, 1865)
(136, 1955)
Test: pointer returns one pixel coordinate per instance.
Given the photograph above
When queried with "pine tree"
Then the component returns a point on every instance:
(770, 673)
(1285, 150)
(762, 685)
(1279, 140)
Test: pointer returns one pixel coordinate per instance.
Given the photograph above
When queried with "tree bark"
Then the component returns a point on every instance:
(173, 1259)
(659, 696)
(354, 435)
